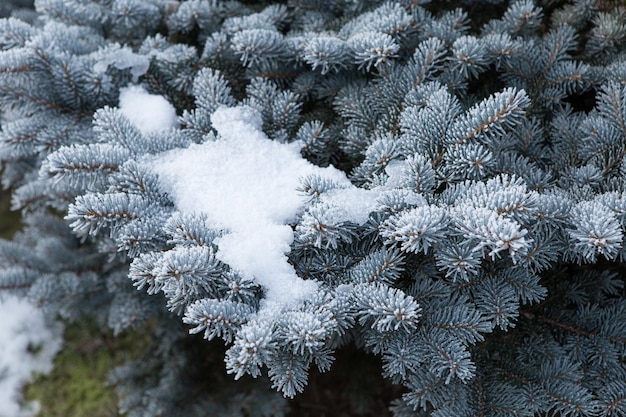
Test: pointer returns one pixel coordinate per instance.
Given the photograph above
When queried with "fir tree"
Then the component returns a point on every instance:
(439, 187)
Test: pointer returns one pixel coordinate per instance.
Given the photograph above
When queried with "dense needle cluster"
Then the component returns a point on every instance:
(441, 185)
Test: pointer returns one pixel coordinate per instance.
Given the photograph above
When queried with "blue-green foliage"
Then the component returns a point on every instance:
(489, 279)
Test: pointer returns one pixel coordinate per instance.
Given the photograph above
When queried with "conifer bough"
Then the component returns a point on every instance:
(439, 186)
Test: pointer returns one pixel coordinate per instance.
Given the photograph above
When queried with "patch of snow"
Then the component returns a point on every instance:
(395, 170)
(351, 204)
(246, 184)
(27, 346)
(149, 112)
(123, 58)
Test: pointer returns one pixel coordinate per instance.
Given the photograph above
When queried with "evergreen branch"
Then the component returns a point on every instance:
(574, 329)
(490, 116)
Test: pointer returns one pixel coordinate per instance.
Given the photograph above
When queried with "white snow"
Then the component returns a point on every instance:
(123, 58)
(23, 326)
(395, 171)
(247, 186)
(149, 112)
(351, 204)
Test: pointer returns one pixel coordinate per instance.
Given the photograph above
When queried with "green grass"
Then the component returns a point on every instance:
(9, 220)
(77, 385)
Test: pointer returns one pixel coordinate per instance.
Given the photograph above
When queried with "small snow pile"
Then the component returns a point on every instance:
(27, 346)
(351, 204)
(123, 58)
(149, 112)
(247, 186)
